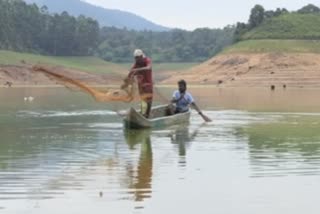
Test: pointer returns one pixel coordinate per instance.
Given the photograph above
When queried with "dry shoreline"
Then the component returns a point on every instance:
(251, 70)
(160, 86)
(298, 70)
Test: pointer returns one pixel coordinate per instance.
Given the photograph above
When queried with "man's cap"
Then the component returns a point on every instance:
(138, 52)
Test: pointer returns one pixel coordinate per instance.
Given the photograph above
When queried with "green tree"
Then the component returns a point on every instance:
(86, 37)
(310, 8)
(256, 16)
(241, 28)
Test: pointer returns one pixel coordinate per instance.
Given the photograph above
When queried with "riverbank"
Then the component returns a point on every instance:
(230, 69)
(300, 70)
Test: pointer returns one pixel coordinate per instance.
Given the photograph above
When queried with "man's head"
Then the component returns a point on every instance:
(138, 55)
(182, 84)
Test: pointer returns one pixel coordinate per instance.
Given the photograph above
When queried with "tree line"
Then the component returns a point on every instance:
(172, 46)
(28, 28)
(259, 15)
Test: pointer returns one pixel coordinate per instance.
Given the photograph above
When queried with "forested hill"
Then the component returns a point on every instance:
(28, 28)
(288, 26)
(303, 24)
(278, 48)
(105, 17)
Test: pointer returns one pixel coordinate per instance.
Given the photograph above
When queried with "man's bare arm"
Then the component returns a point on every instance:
(195, 107)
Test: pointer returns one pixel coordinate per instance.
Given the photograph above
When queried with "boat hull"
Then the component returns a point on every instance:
(158, 118)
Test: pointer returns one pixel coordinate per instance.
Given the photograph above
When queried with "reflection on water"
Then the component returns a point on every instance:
(287, 147)
(140, 178)
(73, 156)
(182, 137)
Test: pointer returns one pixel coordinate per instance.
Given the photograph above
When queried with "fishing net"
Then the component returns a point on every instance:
(126, 90)
(119, 92)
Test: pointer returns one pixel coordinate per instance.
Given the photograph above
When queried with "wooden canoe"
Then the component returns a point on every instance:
(158, 118)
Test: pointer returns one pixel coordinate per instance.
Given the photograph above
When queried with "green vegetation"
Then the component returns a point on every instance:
(279, 31)
(88, 64)
(287, 26)
(303, 24)
(27, 28)
(177, 45)
(260, 46)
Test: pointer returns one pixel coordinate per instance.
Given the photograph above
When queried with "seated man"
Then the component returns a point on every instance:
(183, 99)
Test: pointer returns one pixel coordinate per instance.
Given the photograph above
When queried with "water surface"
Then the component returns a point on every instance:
(64, 153)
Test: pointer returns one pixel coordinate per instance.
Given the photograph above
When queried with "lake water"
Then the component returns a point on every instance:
(64, 153)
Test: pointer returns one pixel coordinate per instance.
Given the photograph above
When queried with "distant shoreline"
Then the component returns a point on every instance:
(165, 86)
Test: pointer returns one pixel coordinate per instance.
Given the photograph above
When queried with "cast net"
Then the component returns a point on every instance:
(123, 89)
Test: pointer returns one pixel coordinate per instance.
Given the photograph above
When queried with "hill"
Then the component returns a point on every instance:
(282, 51)
(259, 63)
(287, 26)
(105, 17)
(258, 60)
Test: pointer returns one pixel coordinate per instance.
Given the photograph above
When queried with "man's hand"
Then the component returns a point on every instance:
(126, 82)
(174, 100)
(132, 72)
(181, 96)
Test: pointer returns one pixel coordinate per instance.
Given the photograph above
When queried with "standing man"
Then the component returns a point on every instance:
(142, 70)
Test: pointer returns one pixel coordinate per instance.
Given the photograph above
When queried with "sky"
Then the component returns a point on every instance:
(192, 14)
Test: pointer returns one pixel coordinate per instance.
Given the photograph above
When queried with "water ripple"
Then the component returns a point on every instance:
(94, 161)
(46, 114)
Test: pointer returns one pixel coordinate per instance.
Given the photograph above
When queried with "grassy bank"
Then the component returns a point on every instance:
(268, 45)
(88, 64)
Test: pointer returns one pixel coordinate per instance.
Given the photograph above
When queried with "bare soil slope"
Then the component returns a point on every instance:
(234, 70)
(263, 69)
